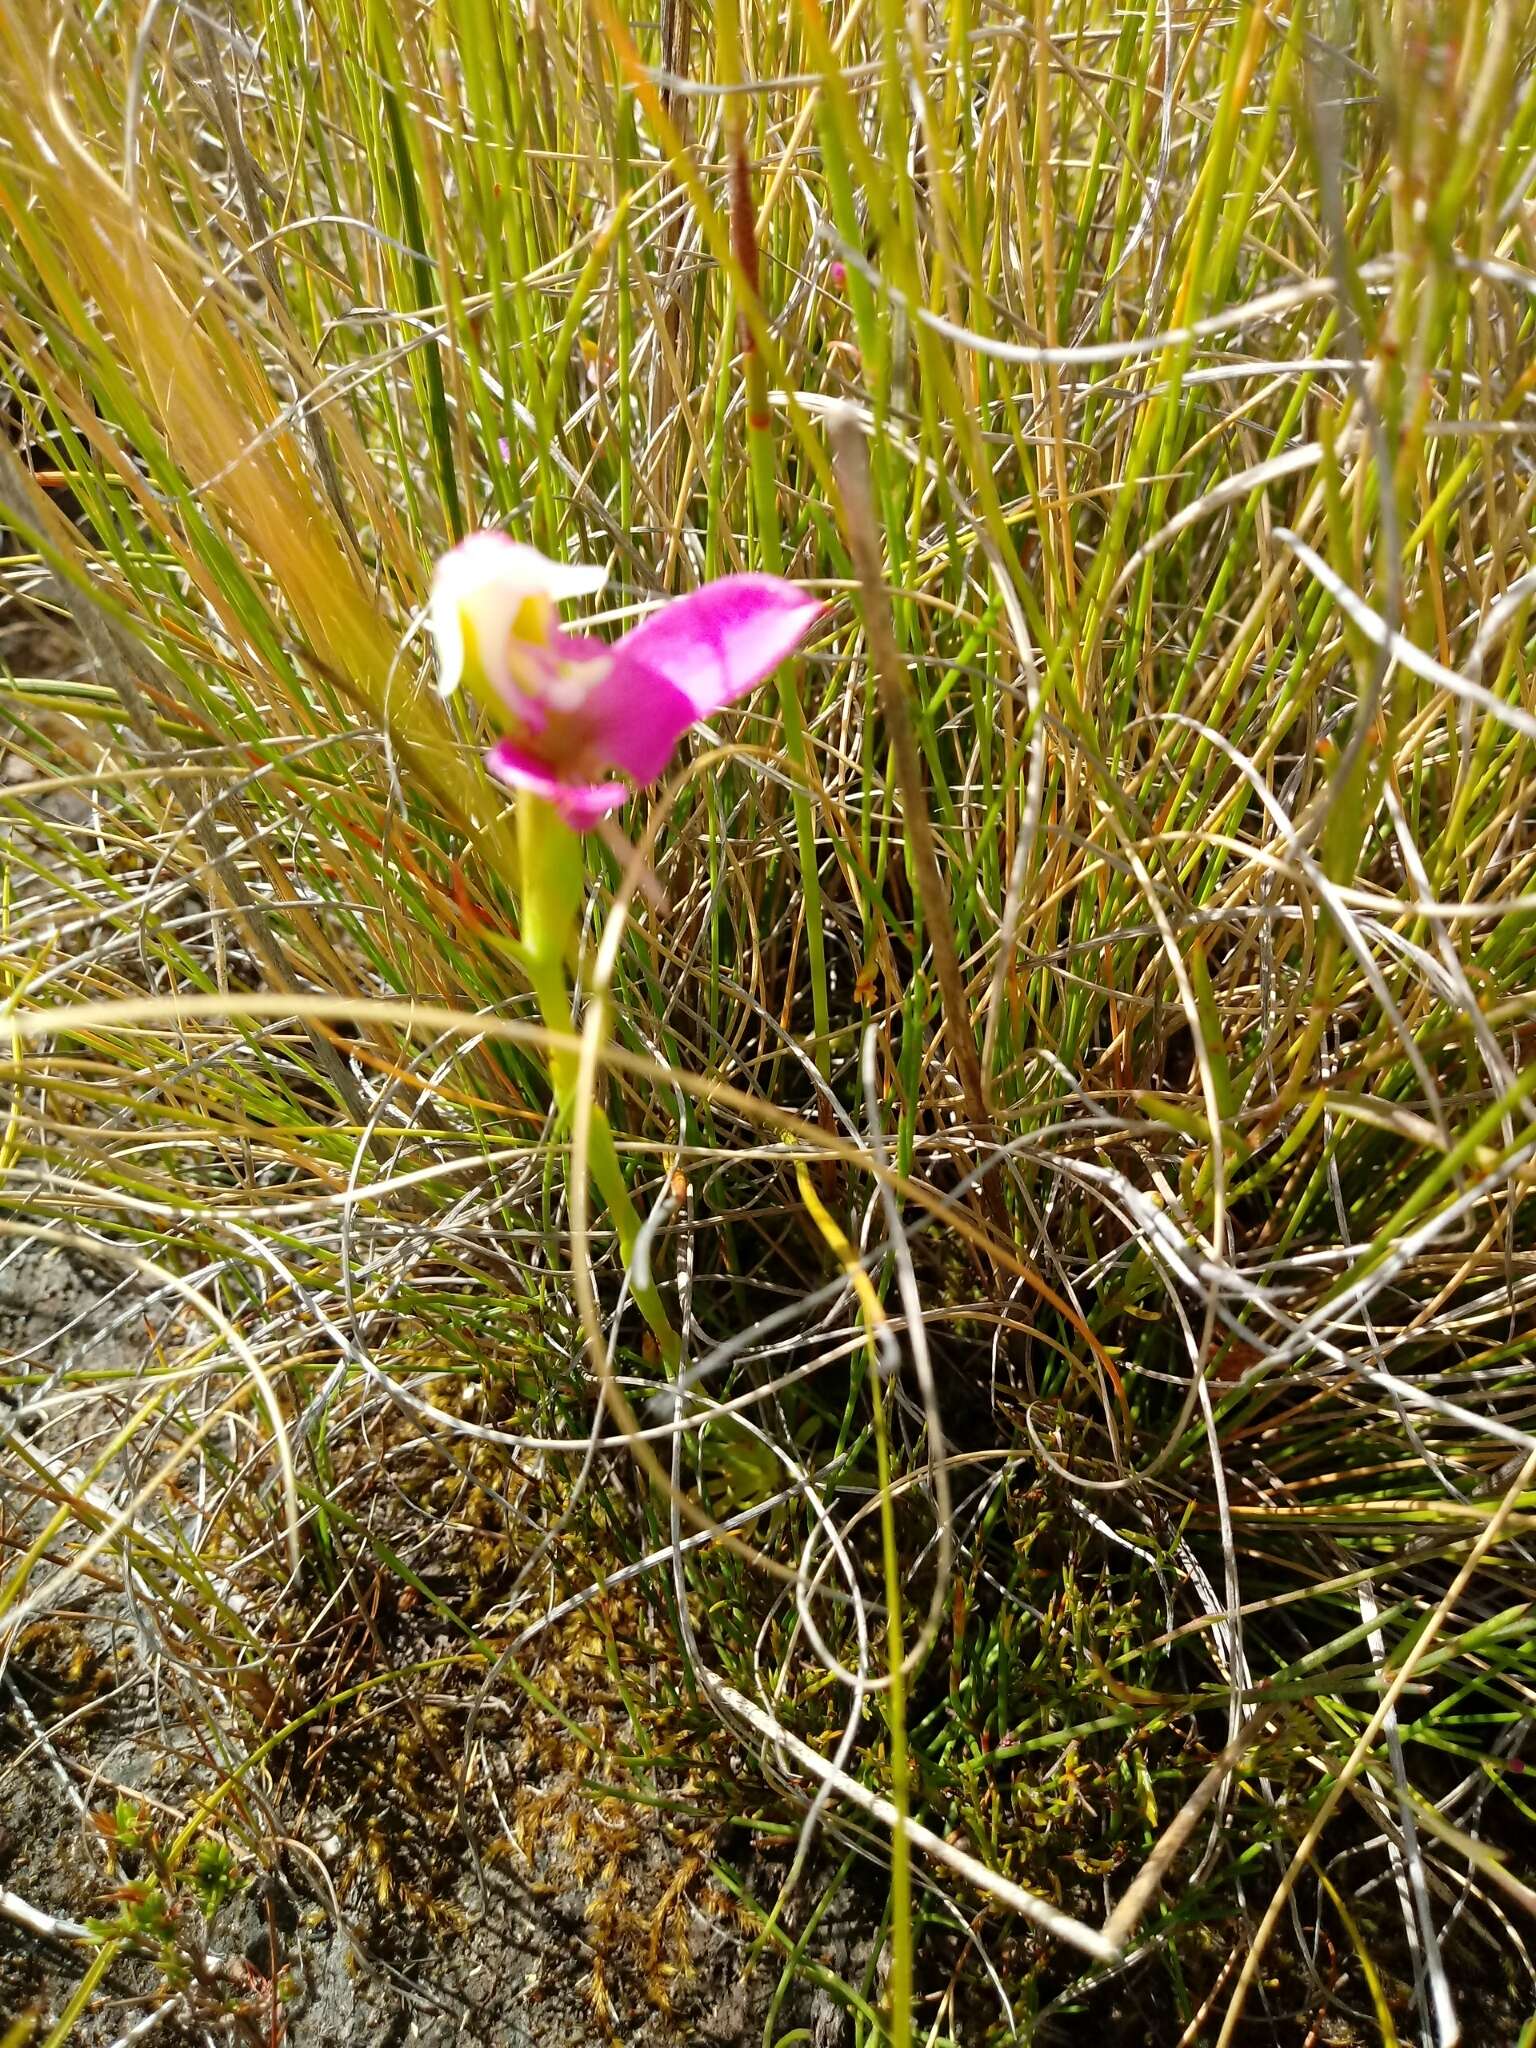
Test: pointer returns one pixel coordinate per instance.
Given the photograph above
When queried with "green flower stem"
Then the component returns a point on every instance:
(553, 884)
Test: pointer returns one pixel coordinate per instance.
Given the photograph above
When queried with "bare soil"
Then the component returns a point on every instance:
(549, 1912)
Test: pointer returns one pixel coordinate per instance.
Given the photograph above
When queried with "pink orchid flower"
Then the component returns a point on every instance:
(573, 709)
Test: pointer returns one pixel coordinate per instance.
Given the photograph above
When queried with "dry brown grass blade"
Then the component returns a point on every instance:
(179, 340)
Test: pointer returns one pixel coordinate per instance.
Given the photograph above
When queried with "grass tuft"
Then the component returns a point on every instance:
(1070, 1047)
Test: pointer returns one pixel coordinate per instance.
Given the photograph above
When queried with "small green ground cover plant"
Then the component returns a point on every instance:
(941, 1289)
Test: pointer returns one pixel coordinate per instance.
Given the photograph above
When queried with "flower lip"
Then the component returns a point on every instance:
(581, 804)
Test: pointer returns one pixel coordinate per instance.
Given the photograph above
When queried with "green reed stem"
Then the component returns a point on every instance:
(553, 884)
(762, 463)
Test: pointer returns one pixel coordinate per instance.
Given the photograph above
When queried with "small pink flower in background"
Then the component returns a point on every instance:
(575, 708)
(837, 273)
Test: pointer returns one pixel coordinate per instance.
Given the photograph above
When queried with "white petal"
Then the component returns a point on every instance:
(572, 579)
(478, 589)
(448, 637)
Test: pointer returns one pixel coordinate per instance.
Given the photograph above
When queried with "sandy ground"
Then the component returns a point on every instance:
(592, 1920)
